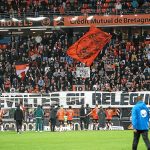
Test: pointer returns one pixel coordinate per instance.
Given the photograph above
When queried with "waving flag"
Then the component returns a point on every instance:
(88, 46)
(33, 53)
(21, 70)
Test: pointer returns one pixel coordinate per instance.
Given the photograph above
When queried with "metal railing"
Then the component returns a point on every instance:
(30, 13)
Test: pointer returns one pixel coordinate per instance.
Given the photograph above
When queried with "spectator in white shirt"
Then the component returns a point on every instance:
(118, 7)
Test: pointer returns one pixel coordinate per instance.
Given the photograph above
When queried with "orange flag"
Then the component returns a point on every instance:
(21, 70)
(88, 46)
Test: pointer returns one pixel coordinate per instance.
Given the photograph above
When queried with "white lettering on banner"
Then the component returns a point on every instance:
(74, 98)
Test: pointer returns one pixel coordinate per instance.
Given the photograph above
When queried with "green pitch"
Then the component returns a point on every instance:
(74, 140)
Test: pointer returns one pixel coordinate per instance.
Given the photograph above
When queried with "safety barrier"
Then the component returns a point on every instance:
(25, 126)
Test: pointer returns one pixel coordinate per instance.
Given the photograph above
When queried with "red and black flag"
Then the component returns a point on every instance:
(89, 46)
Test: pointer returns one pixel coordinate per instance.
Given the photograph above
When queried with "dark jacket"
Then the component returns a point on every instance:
(53, 113)
(18, 115)
(82, 112)
(101, 117)
(88, 110)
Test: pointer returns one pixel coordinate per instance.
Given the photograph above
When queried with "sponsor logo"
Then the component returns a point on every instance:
(143, 113)
(60, 22)
(46, 22)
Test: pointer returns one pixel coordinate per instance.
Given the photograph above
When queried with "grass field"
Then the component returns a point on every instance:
(74, 140)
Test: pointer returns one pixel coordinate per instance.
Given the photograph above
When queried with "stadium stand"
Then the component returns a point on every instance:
(22, 8)
(125, 65)
(117, 70)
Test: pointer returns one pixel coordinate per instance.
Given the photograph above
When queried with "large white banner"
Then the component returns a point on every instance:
(75, 99)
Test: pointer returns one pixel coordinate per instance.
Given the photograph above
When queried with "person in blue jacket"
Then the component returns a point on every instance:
(140, 123)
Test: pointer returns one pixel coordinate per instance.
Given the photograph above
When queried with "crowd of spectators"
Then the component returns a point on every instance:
(124, 66)
(38, 7)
